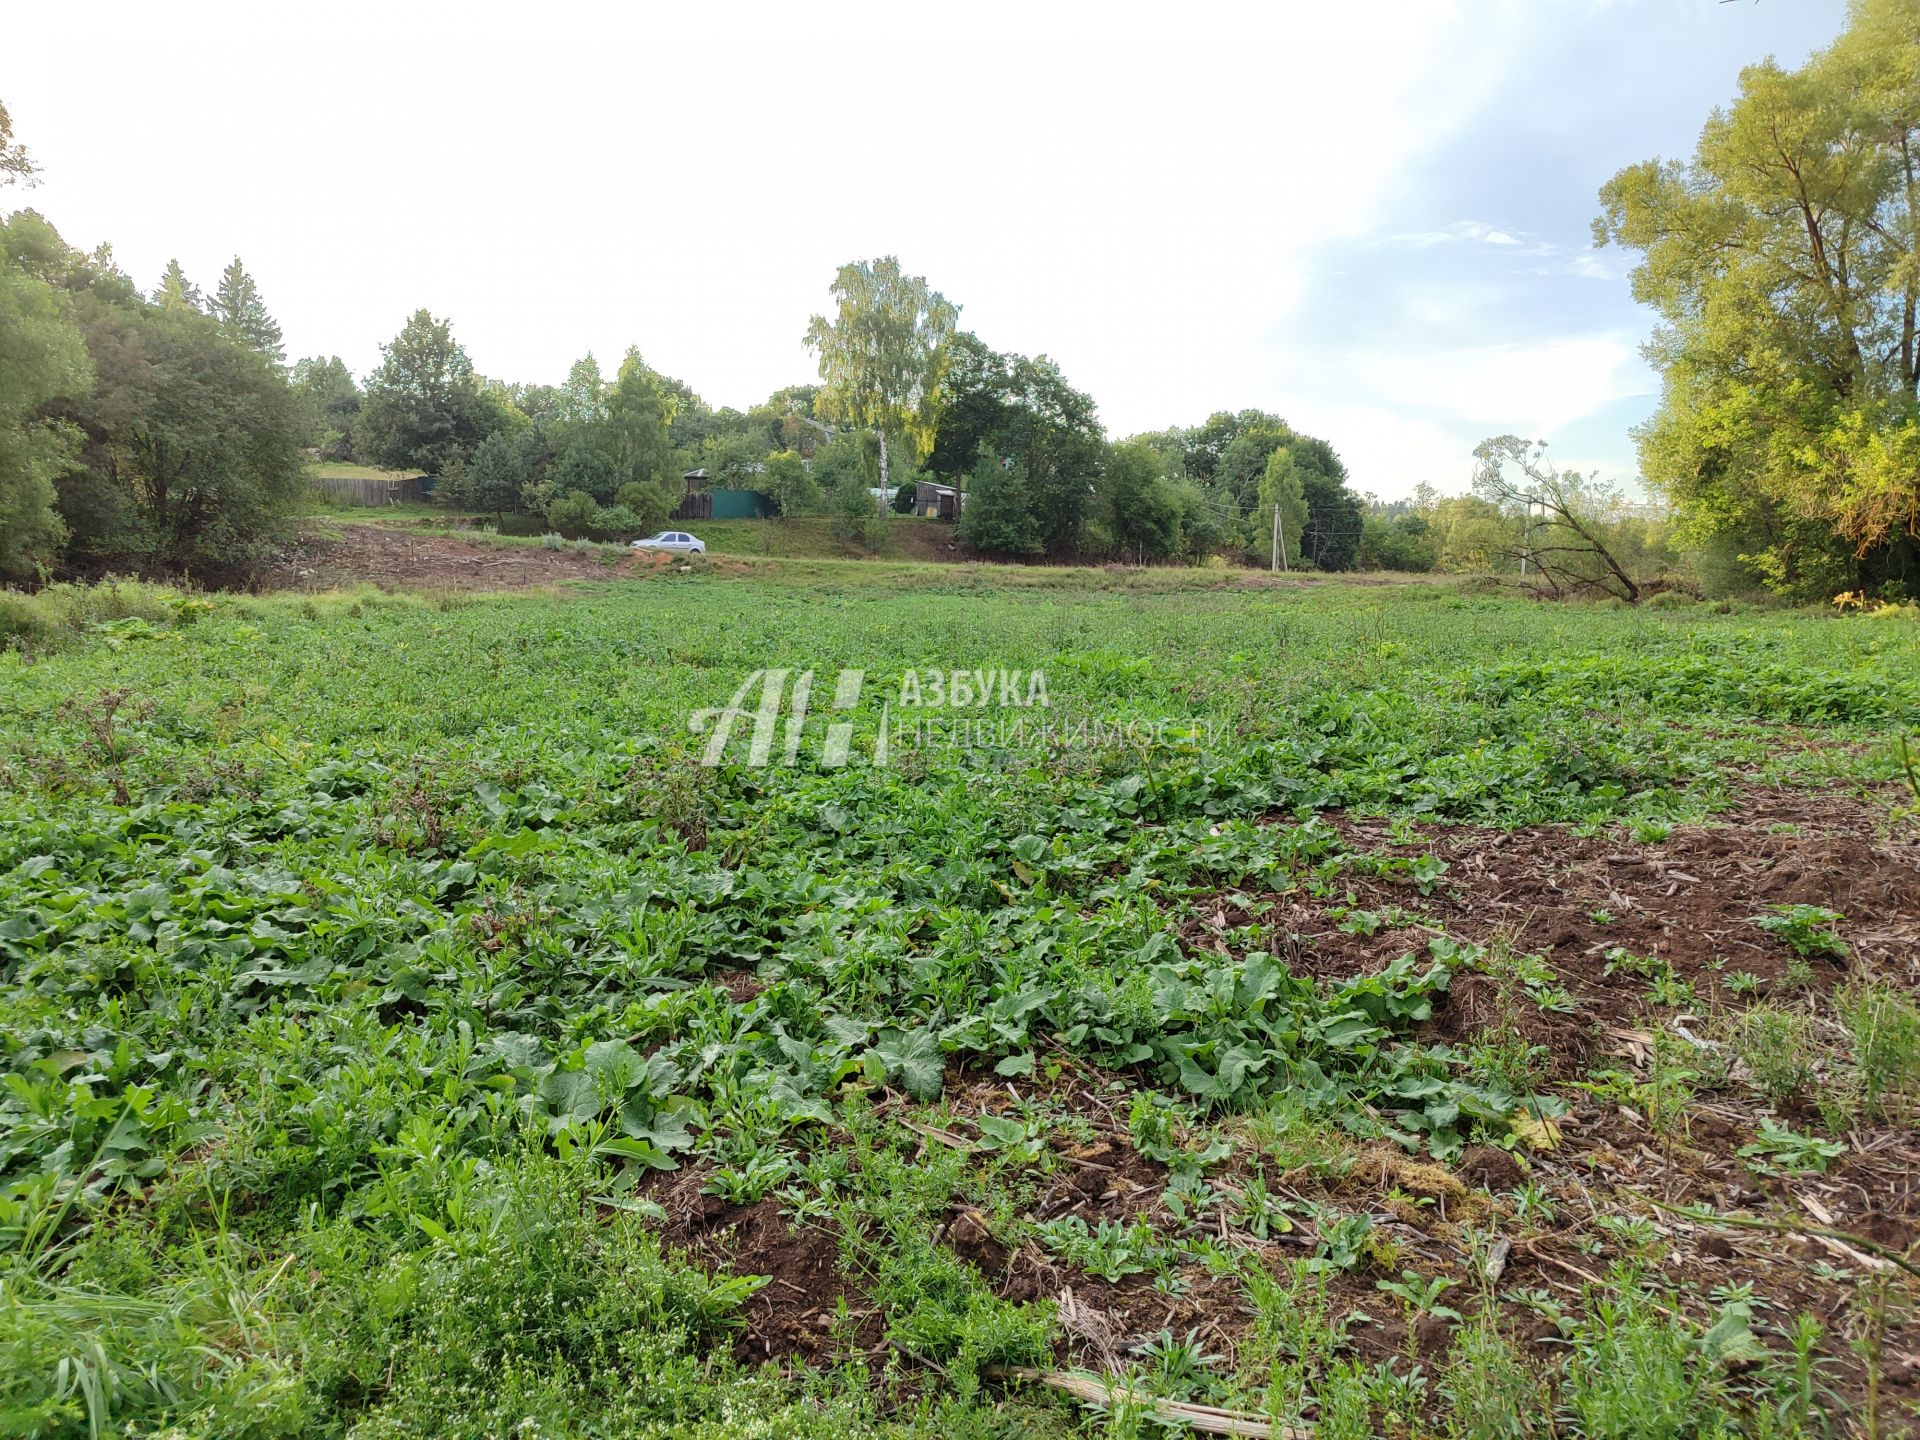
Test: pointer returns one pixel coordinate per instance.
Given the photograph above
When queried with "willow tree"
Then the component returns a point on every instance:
(883, 357)
(1784, 262)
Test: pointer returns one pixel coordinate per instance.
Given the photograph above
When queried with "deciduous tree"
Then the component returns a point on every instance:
(42, 358)
(1784, 261)
(16, 166)
(1566, 548)
(786, 480)
(634, 438)
(883, 357)
(997, 517)
(422, 399)
(1282, 487)
(325, 386)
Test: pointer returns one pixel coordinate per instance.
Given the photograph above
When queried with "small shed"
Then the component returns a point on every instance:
(936, 502)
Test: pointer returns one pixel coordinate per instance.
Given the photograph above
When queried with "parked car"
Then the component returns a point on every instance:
(678, 540)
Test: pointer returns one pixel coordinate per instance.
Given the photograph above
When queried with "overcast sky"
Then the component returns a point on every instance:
(1371, 218)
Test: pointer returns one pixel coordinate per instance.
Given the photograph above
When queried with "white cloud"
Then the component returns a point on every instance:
(1388, 451)
(1530, 253)
(1527, 387)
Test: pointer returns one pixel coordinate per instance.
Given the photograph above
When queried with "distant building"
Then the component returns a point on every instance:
(936, 502)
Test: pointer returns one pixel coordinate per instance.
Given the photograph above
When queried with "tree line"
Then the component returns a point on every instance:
(163, 429)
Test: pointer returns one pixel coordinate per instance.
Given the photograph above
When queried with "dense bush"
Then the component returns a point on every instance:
(169, 441)
(616, 522)
(573, 514)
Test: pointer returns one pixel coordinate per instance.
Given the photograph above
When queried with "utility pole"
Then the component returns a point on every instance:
(1279, 560)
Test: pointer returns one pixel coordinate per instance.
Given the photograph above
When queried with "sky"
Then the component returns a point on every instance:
(1373, 219)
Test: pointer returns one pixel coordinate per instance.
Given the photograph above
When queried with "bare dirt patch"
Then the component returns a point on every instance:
(1690, 899)
(793, 1316)
(421, 556)
(395, 558)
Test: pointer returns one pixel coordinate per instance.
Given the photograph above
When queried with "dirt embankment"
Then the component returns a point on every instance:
(397, 558)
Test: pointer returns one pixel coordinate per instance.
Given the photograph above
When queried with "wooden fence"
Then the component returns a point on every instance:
(366, 490)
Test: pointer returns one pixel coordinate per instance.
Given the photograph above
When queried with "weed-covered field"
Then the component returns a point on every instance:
(1353, 1010)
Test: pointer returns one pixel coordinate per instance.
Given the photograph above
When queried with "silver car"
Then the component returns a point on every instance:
(678, 540)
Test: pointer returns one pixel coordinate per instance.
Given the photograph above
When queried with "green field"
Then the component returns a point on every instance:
(406, 1034)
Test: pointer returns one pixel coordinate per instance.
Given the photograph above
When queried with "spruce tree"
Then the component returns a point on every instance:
(176, 292)
(998, 514)
(243, 314)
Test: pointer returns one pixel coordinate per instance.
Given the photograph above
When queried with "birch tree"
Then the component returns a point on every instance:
(884, 356)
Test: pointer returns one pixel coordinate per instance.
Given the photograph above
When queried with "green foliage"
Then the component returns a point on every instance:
(1142, 510)
(1780, 260)
(1023, 412)
(42, 358)
(633, 438)
(1635, 1376)
(1332, 534)
(1282, 488)
(618, 523)
(16, 165)
(884, 355)
(189, 445)
(852, 506)
(501, 471)
(1779, 1049)
(998, 515)
(586, 469)
(1562, 540)
(1778, 1149)
(414, 972)
(422, 405)
(1884, 1024)
(787, 481)
(326, 390)
(1807, 929)
(573, 514)
(242, 313)
(1108, 1249)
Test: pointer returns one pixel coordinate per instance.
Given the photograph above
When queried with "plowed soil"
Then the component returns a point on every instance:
(1544, 890)
(395, 557)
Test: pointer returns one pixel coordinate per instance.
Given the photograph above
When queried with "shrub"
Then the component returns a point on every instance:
(60, 613)
(617, 523)
(1779, 1049)
(573, 514)
(1885, 1025)
(1671, 600)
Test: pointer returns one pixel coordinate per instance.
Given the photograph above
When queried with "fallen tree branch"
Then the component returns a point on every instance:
(1703, 1216)
(1208, 1419)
